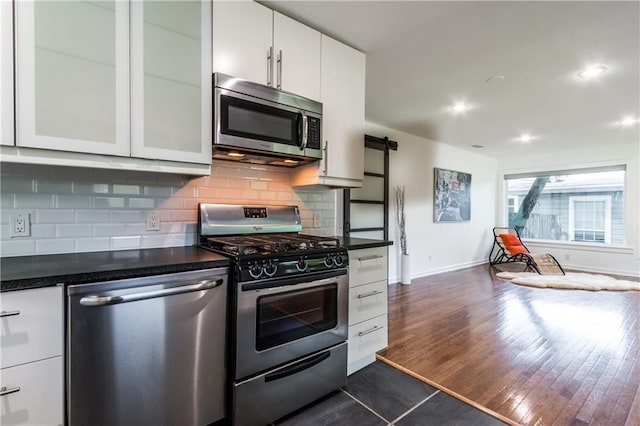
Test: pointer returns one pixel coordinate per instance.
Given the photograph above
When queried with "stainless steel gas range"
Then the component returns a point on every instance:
(288, 309)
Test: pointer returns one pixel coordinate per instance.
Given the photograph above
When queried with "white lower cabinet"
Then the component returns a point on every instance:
(367, 301)
(32, 393)
(31, 343)
(368, 306)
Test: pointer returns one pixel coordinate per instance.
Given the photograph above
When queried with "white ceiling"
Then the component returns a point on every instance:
(422, 56)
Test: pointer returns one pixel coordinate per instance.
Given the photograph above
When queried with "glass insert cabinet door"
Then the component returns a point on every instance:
(6, 73)
(72, 79)
(171, 80)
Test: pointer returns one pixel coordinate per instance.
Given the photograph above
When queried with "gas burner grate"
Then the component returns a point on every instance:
(267, 244)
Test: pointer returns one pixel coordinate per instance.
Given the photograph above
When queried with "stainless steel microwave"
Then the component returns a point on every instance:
(259, 124)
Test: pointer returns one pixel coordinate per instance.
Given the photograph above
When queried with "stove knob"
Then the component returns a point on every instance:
(338, 260)
(302, 264)
(328, 261)
(270, 269)
(255, 270)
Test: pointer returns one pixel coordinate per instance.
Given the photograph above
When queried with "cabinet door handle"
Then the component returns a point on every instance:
(6, 391)
(9, 313)
(270, 66)
(371, 330)
(279, 60)
(325, 156)
(373, 256)
(373, 293)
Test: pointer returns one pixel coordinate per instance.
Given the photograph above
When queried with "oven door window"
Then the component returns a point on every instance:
(239, 117)
(285, 317)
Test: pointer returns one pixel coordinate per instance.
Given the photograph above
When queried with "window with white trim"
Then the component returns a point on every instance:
(582, 205)
(590, 219)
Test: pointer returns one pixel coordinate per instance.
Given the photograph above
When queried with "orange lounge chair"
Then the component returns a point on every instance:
(509, 248)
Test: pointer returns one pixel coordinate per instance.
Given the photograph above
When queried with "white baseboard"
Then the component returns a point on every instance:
(457, 267)
(448, 268)
(609, 271)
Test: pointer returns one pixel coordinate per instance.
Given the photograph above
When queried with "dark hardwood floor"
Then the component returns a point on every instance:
(535, 356)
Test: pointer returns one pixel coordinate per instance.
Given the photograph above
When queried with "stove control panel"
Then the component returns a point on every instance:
(289, 265)
(255, 212)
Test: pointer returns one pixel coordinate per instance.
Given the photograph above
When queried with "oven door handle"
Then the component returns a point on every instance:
(301, 279)
(297, 367)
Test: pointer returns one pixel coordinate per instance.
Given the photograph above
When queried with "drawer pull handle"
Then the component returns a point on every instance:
(371, 330)
(9, 313)
(373, 293)
(373, 256)
(6, 391)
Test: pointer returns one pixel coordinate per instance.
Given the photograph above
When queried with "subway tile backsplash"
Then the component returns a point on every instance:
(79, 210)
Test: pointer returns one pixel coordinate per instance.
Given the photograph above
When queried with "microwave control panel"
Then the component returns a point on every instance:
(313, 133)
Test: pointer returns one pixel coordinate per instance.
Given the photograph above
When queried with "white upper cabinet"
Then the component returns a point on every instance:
(130, 81)
(343, 73)
(171, 80)
(297, 55)
(6, 73)
(72, 76)
(242, 40)
(254, 43)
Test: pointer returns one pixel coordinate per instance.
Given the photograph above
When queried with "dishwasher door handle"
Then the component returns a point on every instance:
(94, 300)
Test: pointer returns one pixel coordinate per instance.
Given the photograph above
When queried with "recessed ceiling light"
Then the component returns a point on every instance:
(459, 107)
(628, 121)
(287, 160)
(525, 138)
(592, 71)
(235, 154)
(477, 146)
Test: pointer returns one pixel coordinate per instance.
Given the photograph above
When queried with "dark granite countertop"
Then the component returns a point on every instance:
(362, 243)
(18, 273)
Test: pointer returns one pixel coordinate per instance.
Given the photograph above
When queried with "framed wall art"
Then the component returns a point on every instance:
(452, 196)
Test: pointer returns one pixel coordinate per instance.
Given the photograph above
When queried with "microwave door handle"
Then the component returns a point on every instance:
(301, 133)
(305, 131)
(299, 130)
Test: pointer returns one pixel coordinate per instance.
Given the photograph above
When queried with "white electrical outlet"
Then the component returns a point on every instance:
(20, 225)
(153, 221)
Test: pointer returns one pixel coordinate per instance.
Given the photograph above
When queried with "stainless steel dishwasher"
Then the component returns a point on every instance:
(147, 351)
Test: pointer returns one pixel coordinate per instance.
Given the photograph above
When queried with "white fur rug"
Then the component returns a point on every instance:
(572, 280)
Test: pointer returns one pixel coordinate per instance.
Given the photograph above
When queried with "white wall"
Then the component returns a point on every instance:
(438, 247)
(624, 259)
(80, 209)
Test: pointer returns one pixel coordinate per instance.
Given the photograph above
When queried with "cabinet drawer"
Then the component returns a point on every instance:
(367, 337)
(39, 400)
(367, 266)
(367, 301)
(31, 325)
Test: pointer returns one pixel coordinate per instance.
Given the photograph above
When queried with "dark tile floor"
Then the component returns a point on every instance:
(382, 395)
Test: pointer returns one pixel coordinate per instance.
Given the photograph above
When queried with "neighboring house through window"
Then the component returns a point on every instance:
(512, 204)
(590, 218)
